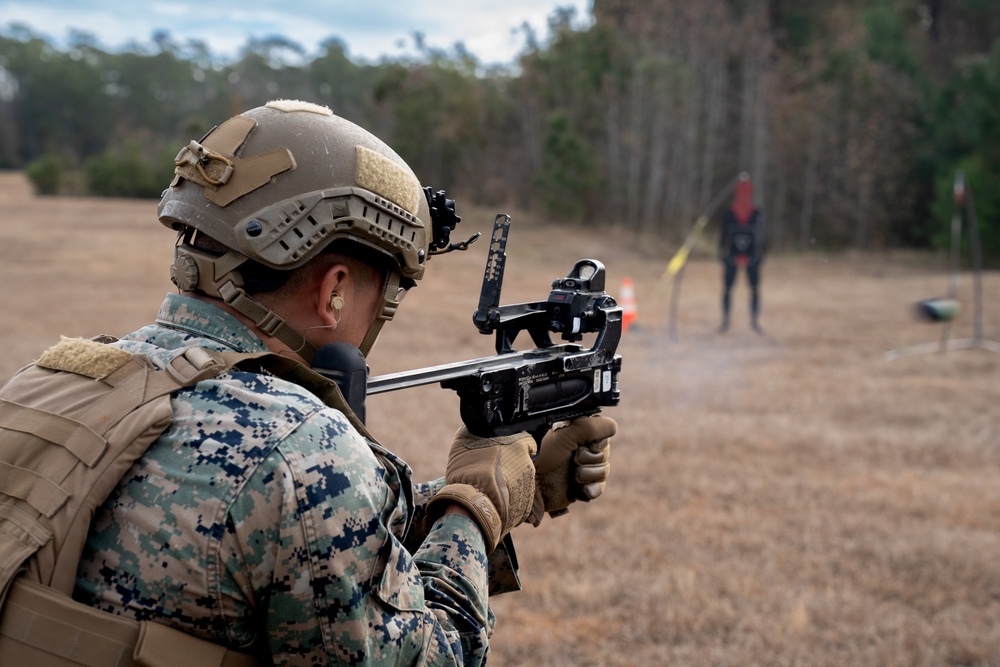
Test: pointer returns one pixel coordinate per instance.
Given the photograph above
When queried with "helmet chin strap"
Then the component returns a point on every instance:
(267, 320)
(272, 324)
(390, 302)
(194, 269)
(219, 277)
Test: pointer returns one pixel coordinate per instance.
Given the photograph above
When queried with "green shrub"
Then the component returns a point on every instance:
(45, 174)
(129, 172)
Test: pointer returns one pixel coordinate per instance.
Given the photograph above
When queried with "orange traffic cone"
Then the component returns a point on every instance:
(630, 313)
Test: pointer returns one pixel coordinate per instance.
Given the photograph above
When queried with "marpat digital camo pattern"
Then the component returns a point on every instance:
(262, 520)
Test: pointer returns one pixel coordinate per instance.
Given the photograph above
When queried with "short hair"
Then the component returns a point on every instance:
(259, 278)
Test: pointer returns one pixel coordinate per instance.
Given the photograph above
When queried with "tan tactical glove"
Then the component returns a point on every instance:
(493, 478)
(573, 464)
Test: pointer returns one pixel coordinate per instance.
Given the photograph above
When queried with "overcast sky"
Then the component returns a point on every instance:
(371, 29)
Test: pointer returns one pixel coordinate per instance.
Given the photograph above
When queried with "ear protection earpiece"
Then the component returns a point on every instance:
(336, 301)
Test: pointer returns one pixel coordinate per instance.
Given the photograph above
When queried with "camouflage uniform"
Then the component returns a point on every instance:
(263, 521)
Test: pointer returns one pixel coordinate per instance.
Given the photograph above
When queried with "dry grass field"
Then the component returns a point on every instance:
(791, 498)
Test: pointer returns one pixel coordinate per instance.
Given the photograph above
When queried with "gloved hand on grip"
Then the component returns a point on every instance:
(493, 478)
(573, 464)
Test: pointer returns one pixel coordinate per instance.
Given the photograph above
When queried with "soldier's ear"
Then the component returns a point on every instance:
(329, 294)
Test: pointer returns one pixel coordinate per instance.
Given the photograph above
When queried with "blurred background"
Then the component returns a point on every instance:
(784, 498)
(852, 116)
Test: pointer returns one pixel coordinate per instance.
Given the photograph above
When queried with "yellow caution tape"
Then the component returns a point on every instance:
(680, 258)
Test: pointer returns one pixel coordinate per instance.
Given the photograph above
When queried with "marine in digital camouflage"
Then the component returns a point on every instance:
(263, 521)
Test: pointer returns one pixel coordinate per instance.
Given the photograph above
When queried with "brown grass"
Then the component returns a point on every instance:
(785, 499)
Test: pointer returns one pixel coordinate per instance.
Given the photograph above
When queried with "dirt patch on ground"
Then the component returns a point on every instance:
(791, 498)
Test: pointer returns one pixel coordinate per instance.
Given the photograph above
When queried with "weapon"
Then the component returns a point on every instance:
(529, 390)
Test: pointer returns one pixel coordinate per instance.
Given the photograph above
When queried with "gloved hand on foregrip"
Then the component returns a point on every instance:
(573, 464)
(493, 478)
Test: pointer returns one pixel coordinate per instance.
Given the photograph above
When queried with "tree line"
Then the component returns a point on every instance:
(853, 117)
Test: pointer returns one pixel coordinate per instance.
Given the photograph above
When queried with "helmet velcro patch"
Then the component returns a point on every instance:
(84, 357)
(299, 105)
(250, 174)
(384, 177)
(213, 163)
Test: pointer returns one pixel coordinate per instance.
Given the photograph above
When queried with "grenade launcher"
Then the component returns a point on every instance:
(517, 391)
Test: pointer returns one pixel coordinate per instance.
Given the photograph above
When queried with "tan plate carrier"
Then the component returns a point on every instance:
(71, 425)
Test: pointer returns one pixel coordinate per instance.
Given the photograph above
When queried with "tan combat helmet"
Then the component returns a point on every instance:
(279, 183)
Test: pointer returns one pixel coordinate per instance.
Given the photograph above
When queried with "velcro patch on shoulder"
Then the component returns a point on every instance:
(84, 357)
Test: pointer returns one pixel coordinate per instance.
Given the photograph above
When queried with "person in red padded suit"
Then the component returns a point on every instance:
(742, 244)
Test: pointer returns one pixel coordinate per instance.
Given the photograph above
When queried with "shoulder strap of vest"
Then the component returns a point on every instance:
(75, 421)
(72, 423)
(70, 426)
(59, 460)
